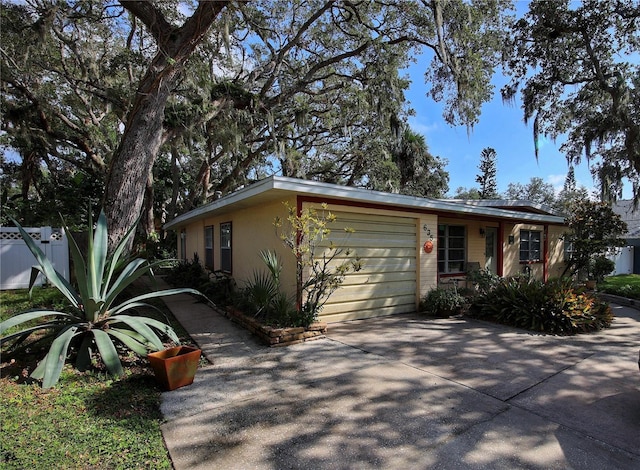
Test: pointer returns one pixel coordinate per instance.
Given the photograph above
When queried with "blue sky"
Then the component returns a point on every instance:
(501, 127)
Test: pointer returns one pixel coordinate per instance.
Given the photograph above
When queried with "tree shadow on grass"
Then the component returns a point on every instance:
(135, 397)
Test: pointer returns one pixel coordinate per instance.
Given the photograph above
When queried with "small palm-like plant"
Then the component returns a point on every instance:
(95, 322)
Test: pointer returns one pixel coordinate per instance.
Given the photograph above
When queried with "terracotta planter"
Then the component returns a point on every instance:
(175, 367)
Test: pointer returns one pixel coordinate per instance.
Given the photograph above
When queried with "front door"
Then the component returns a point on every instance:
(491, 250)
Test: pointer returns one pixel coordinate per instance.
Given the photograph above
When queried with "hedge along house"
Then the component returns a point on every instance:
(408, 245)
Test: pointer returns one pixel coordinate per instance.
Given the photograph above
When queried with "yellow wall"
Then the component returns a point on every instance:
(512, 264)
(252, 230)
(556, 251)
(428, 262)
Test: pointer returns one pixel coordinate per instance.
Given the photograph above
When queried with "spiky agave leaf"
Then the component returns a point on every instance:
(96, 319)
(97, 256)
(116, 256)
(131, 339)
(32, 315)
(50, 368)
(108, 352)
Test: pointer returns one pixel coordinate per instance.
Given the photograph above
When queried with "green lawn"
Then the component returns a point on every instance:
(89, 420)
(626, 285)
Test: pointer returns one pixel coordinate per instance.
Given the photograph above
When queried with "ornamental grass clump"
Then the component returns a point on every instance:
(554, 307)
(264, 298)
(98, 322)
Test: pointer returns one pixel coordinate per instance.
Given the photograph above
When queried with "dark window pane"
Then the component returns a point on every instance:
(456, 230)
(456, 243)
(456, 267)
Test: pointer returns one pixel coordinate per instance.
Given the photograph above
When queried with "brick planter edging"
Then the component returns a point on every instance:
(275, 337)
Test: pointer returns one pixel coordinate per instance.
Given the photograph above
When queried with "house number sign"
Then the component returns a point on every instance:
(428, 245)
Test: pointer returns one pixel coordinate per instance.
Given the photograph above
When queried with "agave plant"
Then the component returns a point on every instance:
(94, 322)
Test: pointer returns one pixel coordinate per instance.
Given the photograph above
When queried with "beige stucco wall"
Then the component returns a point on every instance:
(512, 264)
(252, 230)
(428, 262)
(556, 251)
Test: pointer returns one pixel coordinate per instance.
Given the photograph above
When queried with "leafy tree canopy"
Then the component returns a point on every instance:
(594, 229)
(576, 65)
(230, 92)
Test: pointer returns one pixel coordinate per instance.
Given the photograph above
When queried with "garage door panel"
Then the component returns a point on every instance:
(368, 253)
(386, 284)
(368, 308)
(378, 263)
(359, 243)
(378, 278)
(364, 314)
(387, 289)
(373, 223)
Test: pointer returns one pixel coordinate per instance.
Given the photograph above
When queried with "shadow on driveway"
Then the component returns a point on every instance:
(411, 392)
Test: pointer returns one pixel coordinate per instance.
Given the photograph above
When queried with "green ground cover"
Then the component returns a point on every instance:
(89, 420)
(625, 285)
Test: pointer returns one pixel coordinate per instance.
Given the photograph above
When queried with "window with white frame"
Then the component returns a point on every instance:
(530, 243)
(451, 248)
(568, 248)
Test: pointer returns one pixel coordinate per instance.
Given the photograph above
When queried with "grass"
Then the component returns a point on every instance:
(625, 285)
(89, 420)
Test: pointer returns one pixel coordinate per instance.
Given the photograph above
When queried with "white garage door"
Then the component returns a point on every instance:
(386, 284)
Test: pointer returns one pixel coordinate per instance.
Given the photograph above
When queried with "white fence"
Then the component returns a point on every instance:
(16, 259)
(623, 257)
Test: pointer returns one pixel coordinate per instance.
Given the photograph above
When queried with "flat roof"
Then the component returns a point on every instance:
(515, 204)
(275, 187)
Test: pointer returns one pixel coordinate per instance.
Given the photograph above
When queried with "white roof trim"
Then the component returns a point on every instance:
(352, 194)
(516, 203)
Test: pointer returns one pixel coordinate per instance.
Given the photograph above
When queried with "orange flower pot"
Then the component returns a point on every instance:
(175, 367)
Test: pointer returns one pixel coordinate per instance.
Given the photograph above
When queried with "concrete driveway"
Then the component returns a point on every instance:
(408, 392)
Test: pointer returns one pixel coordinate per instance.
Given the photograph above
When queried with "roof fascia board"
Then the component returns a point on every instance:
(316, 190)
(455, 212)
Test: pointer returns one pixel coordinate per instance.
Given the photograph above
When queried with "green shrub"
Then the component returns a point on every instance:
(219, 288)
(599, 267)
(187, 273)
(97, 321)
(442, 302)
(626, 290)
(554, 307)
(483, 281)
(263, 297)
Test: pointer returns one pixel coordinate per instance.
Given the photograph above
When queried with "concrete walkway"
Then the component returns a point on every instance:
(406, 392)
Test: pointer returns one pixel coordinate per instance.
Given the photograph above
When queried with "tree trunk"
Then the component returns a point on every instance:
(175, 183)
(148, 223)
(143, 135)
